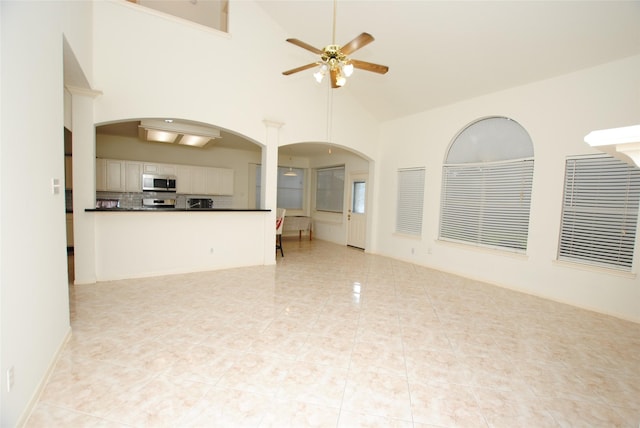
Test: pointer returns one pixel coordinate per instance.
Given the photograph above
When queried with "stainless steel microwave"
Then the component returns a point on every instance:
(158, 183)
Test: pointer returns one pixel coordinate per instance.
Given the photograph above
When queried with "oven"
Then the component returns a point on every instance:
(153, 203)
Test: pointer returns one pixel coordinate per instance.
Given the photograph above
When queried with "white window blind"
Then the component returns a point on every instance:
(600, 212)
(487, 204)
(410, 201)
(330, 189)
(290, 188)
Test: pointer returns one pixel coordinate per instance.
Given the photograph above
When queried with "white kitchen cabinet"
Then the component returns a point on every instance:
(184, 179)
(219, 181)
(133, 176)
(225, 181)
(212, 178)
(160, 168)
(115, 175)
(110, 175)
(199, 180)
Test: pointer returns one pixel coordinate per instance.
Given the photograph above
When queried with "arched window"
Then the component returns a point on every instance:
(486, 185)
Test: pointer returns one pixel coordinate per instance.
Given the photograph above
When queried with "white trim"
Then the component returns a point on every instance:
(35, 398)
(592, 268)
(87, 92)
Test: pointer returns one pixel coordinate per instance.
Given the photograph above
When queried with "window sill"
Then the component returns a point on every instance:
(487, 250)
(596, 269)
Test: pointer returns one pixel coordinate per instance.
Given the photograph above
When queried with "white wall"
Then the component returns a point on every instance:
(228, 80)
(142, 244)
(34, 291)
(557, 113)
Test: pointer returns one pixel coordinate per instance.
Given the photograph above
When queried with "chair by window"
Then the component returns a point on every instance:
(279, 223)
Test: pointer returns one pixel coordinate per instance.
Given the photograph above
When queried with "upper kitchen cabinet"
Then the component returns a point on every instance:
(110, 175)
(200, 180)
(133, 176)
(114, 175)
(160, 168)
(184, 175)
(219, 181)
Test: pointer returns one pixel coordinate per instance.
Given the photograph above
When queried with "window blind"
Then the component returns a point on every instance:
(410, 201)
(330, 189)
(487, 204)
(600, 212)
(290, 188)
(290, 193)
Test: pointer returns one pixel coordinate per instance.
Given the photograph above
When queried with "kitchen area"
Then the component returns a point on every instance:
(164, 208)
(132, 185)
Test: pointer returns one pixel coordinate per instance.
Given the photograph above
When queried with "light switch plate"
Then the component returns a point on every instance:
(55, 186)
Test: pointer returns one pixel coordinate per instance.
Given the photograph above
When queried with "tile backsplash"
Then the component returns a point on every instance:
(134, 200)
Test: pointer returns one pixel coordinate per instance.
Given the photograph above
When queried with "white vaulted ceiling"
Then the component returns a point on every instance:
(440, 52)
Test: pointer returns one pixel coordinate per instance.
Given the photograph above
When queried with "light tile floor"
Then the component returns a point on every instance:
(333, 337)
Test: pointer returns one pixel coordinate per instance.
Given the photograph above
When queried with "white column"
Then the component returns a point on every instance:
(270, 188)
(84, 182)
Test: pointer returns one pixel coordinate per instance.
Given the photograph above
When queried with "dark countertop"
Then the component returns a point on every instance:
(164, 210)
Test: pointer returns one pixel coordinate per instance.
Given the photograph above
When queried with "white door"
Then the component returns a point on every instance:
(357, 215)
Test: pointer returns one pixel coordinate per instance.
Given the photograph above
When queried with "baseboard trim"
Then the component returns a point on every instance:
(38, 392)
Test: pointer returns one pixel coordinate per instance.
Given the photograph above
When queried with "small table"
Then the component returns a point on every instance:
(299, 223)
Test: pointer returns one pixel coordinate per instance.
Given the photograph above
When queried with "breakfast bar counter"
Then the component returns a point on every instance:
(137, 242)
(129, 210)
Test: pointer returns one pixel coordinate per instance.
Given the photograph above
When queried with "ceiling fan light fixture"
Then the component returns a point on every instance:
(347, 69)
(322, 70)
(335, 58)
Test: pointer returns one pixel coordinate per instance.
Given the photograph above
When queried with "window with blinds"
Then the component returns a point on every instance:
(330, 189)
(290, 188)
(487, 204)
(599, 212)
(410, 201)
(486, 186)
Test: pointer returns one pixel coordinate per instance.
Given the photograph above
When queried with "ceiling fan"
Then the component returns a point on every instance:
(335, 58)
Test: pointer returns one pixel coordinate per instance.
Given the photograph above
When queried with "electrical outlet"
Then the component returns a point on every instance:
(10, 378)
(413, 251)
(211, 250)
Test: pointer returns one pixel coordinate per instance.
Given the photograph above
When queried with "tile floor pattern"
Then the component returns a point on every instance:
(333, 337)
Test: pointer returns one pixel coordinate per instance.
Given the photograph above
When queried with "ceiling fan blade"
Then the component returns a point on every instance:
(305, 46)
(369, 66)
(302, 68)
(355, 44)
(334, 78)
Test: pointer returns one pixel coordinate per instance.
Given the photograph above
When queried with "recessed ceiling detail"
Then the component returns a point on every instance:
(172, 132)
